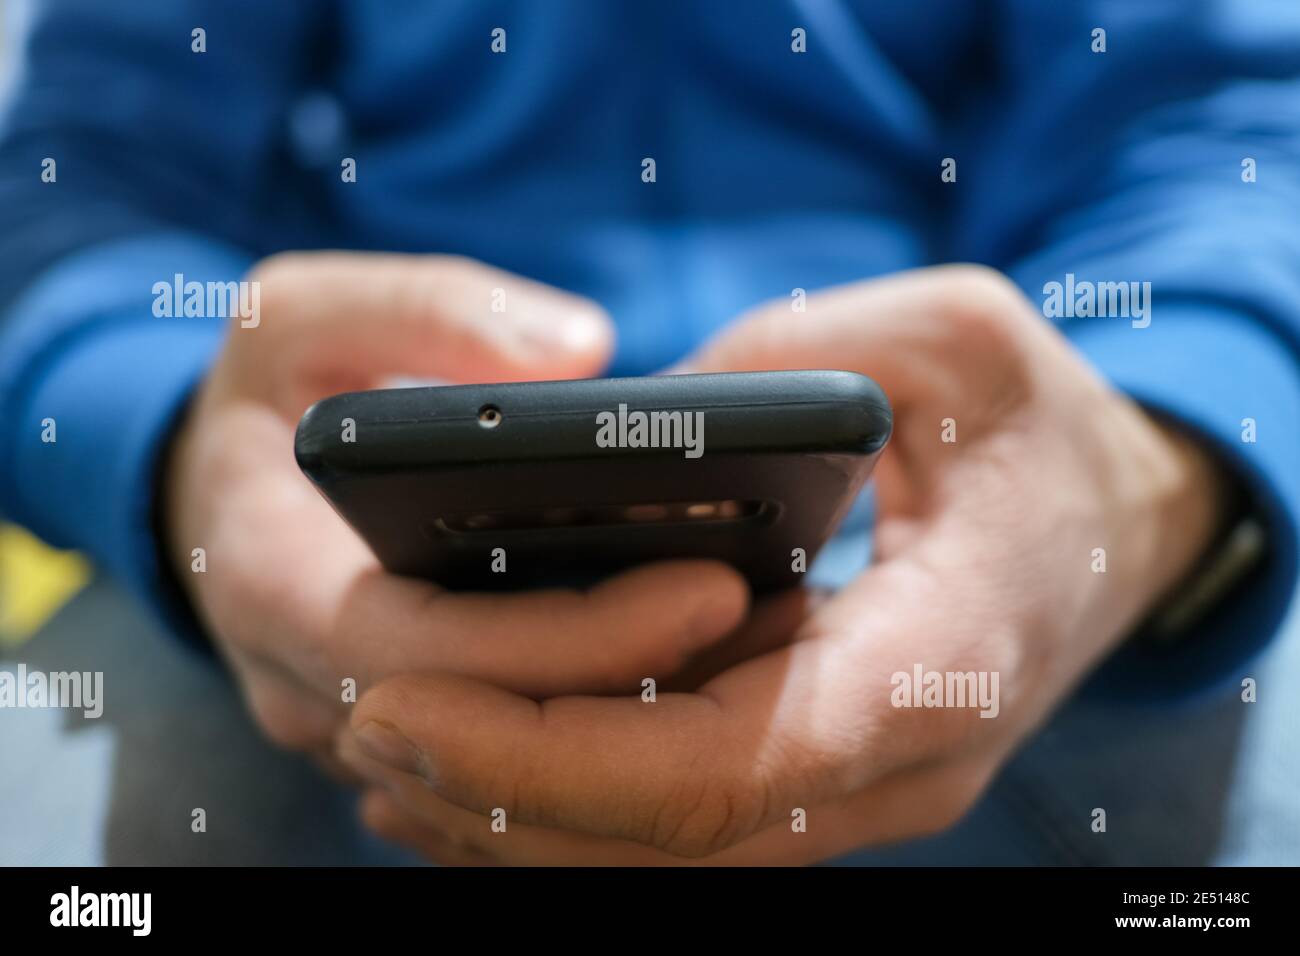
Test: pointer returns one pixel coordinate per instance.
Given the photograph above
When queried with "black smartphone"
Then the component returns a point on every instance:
(537, 483)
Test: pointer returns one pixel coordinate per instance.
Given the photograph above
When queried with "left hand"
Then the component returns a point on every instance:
(984, 563)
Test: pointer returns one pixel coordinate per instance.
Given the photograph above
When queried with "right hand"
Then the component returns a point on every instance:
(295, 601)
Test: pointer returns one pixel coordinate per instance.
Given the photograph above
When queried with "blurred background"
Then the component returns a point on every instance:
(120, 792)
(35, 581)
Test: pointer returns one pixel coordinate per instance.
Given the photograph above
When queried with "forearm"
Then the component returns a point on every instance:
(95, 380)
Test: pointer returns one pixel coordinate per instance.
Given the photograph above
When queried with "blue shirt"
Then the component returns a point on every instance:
(775, 169)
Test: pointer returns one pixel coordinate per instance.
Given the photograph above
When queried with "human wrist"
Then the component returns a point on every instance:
(1193, 510)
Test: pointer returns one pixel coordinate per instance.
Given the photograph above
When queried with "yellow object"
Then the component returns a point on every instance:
(35, 581)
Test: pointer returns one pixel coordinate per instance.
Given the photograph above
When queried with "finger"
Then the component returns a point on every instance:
(451, 836)
(695, 773)
(410, 813)
(903, 805)
(355, 319)
(902, 330)
(292, 715)
(689, 773)
(383, 814)
(772, 623)
(643, 623)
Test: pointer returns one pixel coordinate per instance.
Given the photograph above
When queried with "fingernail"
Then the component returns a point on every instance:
(385, 743)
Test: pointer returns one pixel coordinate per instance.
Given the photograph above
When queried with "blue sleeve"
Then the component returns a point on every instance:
(164, 164)
(1129, 165)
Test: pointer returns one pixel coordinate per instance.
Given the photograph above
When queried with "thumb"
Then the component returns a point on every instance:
(352, 320)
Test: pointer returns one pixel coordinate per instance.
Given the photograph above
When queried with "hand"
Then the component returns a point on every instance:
(295, 601)
(984, 563)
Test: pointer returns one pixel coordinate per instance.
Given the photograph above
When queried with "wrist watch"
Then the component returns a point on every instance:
(1237, 550)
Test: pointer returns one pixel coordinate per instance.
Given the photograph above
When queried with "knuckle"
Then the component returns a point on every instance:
(278, 279)
(983, 302)
(452, 262)
(709, 817)
(277, 269)
(980, 285)
(275, 265)
(992, 338)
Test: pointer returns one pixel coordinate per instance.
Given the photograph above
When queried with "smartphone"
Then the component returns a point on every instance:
(533, 484)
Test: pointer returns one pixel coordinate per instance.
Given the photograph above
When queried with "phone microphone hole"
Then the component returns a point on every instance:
(489, 416)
